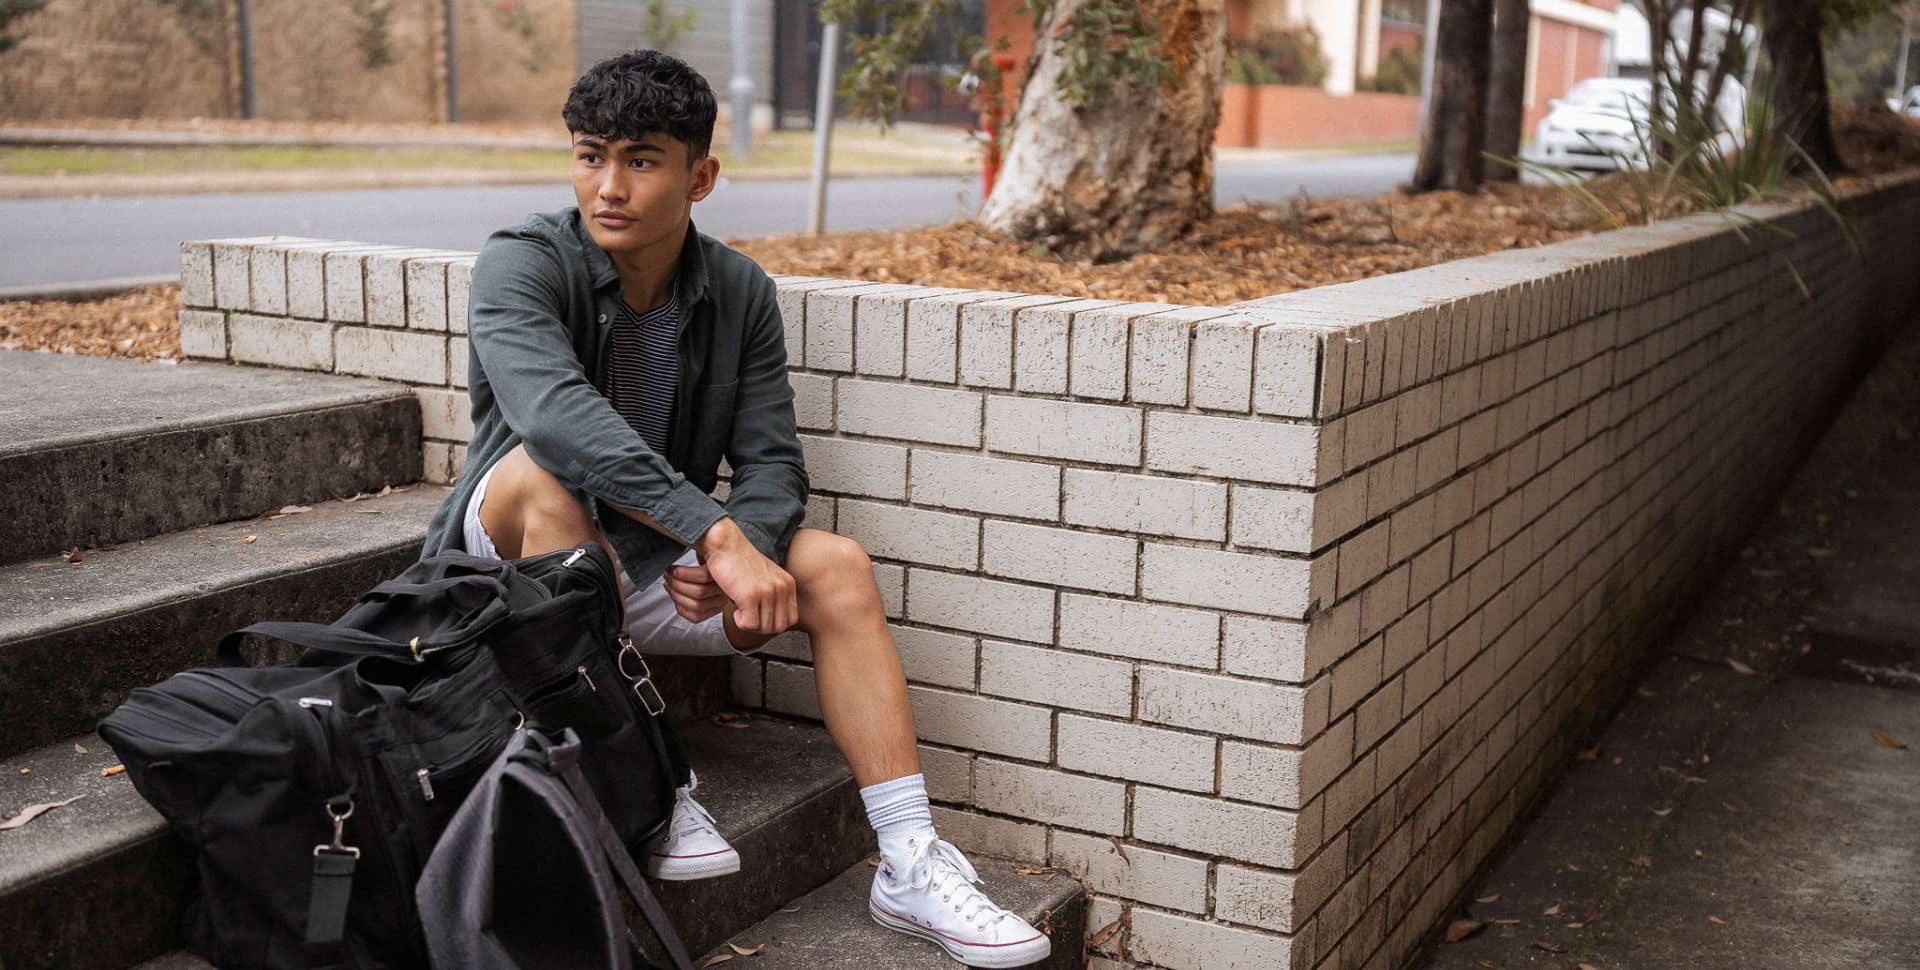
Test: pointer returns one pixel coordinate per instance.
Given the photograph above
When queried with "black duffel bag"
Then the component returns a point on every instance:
(314, 792)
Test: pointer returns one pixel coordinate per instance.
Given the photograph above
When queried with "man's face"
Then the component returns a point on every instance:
(634, 194)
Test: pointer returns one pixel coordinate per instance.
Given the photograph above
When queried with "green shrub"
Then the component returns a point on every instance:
(1290, 55)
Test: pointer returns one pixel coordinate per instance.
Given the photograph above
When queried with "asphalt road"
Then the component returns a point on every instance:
(46, 241)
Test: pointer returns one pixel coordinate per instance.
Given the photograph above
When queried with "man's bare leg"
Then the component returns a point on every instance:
(857, 672)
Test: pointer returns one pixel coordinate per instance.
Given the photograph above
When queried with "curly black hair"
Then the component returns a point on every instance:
(642, 92)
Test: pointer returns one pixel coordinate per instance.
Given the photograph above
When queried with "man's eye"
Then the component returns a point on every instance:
(642, 161)
(589, 157)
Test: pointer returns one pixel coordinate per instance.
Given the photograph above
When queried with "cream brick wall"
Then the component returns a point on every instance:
(1267, 620)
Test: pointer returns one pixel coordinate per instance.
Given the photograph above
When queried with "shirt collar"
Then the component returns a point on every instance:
(690, 282)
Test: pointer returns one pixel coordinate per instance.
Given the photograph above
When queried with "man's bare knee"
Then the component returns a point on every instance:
(524, 499)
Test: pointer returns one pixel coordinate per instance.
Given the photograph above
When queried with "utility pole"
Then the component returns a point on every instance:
(1430, 46)
(453, 62)
(823, 126)
(741, 86)
(243, 22)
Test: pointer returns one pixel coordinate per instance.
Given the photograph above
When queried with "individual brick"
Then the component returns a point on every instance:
(346, 284)
(1285, 777)
(307, 279)
(203, 334)
(459, 285)
(1157, 371)
(790, 690)
(1224, 705)
(1060, 429)
(1244, 582)
(1223, 364)
(1054, 797)
(1205, 824)
(1273, 518)
(1279, 901)
(997, 486)
(932, 657)
(436, 462)
(1147, 631)
(980, 605)
(949, 774)
(1144, 503)
(1166, 940)
(856, 467)
(1268, 649)
(1061, 557)
(746, 682)
(267, 280)
(909, 412)
(387, 286)
(444, 414)
(986, 835)
(912, 535)
(1148, 875)
(933, 334)
(890, 577)
(1259, 451)
(280, 342)
(418, 358)
(1056, 677)
(196, 274)
(459, 361)
(427, 293)
(1170, 759)
(812, 401)
(978, 723)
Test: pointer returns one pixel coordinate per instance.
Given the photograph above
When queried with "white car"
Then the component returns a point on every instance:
(1601, 124)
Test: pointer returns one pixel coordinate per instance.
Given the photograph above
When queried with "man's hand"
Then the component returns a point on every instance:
(694, 594)
(765, 598)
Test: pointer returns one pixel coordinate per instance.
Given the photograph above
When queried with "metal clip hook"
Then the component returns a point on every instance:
(339, 833)
(643, 686)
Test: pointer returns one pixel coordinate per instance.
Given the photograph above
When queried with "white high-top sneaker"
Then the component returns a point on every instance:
(690, 848)
(931, 894)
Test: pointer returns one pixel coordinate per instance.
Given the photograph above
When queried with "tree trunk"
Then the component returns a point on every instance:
(1800, 80)
(1456, 123)
(1507, 88)
(1129, 173)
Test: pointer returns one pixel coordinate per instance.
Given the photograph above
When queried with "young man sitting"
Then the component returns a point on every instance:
(617, 356)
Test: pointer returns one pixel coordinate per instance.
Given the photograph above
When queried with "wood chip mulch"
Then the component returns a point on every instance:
(142, 324)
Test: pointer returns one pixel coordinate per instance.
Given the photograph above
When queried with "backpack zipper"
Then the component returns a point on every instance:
(426, 783)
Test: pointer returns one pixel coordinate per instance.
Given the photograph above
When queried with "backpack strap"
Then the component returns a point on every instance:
(564, 760)
(331, 890)
(315, 636)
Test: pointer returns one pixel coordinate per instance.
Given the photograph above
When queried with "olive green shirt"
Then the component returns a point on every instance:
(540, 310)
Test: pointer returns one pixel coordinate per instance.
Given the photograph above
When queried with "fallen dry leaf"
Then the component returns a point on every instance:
(1586, 966)
(1460, 929)
(1819, 553)
(1505, 921)
(1741, 668)
(1663, 812)
(110, 772)
(1549, 947)
(250, 540)
(32, 812)
(1717, 921)
(1105, 933)
(75, 556)
(293, 509)
(1553, 910)
(717, 958)
(1643, 861)
(1887, 742)
(1590, 754)
(746, 951)
(1489, 898)
(1121, 849)
(79, 749)
(795, 908)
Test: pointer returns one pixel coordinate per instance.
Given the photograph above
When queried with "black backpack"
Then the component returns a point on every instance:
(314, 792)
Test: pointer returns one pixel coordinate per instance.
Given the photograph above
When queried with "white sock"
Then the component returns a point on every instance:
(898, 811)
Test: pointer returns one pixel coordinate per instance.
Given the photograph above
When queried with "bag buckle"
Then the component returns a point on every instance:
(643, 686)
(338, 844)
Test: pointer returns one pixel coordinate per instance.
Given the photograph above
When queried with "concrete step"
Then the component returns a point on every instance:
(830, 926)
(96, 451)
(99, 884)
(76, 637)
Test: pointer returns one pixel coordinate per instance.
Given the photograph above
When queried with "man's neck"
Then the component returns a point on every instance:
(647, 275)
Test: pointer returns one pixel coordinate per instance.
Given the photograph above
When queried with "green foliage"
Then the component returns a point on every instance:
(1699, 167)
(10, 11)
(374, 34)
(663, 28)
(1399, 73)
(871, 83)
(1103, 43)
(1862, 61)
(1289, 55)
(1838, 15)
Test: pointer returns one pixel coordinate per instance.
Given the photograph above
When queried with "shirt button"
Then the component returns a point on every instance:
(603, 318)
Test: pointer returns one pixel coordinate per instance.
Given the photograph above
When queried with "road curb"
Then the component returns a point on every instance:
(88, 290)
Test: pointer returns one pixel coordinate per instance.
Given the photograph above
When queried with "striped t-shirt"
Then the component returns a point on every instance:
(643, 369)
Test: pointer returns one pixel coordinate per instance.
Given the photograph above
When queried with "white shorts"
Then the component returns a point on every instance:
(652, 621)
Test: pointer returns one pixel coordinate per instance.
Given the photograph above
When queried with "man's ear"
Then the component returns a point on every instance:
(706, 172)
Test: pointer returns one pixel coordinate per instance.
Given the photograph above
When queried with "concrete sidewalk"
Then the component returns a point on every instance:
(1750, 806)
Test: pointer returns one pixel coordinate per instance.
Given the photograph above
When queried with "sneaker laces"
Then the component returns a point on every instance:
(938, 867)
(690, 816)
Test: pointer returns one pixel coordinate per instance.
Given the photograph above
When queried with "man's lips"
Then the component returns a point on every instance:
(613, 220)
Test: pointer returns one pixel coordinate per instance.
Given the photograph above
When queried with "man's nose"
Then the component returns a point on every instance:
(613, 188)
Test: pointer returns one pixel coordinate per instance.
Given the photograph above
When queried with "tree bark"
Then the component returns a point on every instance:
(1800, 102)
(1507, 88)
(1130, 173)
(1455, 128)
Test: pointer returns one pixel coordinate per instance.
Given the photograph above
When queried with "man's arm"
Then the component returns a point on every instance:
(769, 486)
(544, 394)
